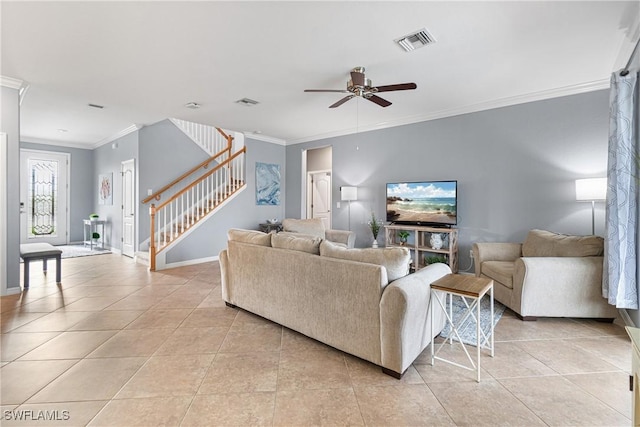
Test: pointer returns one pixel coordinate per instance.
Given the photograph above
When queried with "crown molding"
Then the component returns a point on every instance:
(120, 134)
(473, 108)
(11, 83)
(34, 140)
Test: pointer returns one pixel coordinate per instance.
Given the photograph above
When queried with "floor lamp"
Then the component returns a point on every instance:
(591, 190)
(348, 194)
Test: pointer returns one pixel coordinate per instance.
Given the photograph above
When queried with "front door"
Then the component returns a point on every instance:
(321, 197)
(44, 211)
(128, 208)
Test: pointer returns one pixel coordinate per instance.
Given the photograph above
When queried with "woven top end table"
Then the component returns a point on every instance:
(472, 289)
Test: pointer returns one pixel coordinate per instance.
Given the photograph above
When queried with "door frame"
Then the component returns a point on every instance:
(310, 194)
(135, 207)
(68, 189)
(3, 213)
(304, 189)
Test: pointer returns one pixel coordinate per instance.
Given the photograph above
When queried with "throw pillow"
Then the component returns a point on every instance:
(395, 260)
(313, 227)
(296, 242)
(540, 243)
(249, 236)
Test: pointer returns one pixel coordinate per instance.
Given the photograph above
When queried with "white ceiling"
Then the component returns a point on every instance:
(144, 60)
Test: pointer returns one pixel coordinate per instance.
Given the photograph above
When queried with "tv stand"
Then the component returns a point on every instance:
(419, 243)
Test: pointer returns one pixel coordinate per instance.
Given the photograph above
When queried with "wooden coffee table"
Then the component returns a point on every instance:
(472, 289)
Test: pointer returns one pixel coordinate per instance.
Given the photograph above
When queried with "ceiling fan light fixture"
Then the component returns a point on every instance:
(415, 40)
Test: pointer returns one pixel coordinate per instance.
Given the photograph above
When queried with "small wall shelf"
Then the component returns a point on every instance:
(419, 243)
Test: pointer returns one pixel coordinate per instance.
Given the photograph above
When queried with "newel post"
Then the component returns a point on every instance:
(152, 246)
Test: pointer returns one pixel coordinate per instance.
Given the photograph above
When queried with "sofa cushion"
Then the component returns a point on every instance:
(500, 271)
(395, 260)
(540, 243)
(249, 236)
(296, 242)
(313, 226)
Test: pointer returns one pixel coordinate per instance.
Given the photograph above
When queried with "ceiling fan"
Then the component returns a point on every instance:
(361, 86)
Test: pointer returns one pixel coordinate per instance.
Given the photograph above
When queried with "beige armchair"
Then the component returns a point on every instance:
(549, 275)
(315, 227)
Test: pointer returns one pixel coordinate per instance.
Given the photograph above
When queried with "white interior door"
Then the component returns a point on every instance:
(320, 202)
(44, 196)
(128, 208)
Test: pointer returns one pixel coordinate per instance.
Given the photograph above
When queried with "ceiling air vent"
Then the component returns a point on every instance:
(247, 102)
(415, 40)
(192, 105)
(99, 107)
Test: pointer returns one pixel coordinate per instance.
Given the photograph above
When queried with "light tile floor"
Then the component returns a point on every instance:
(118, 345)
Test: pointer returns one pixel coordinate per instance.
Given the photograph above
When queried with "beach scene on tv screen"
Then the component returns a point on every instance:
(433, 202)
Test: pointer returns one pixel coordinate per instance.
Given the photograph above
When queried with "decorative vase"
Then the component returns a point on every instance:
(375, 244)
(436, 241)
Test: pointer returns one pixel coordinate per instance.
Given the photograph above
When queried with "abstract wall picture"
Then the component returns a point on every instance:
(105, 189)
(267, 184)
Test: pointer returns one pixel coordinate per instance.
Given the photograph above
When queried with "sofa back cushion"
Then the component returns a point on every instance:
(395, 260)
(540, 243)
(312, 227)
(296, 242)
(249, 236)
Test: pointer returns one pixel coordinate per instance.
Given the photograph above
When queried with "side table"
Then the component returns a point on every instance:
(90, 227)
(469, 288)
(268, 227)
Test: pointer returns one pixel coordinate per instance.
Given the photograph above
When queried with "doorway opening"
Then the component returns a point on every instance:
(318, 184)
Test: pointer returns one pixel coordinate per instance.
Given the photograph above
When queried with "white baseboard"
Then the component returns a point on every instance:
(190, 262)
(11, 291)
(116, 251)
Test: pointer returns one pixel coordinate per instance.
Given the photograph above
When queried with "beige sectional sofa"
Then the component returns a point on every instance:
(549, 275)
(360, 301)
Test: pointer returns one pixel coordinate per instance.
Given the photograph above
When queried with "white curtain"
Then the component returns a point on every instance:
(619, 282)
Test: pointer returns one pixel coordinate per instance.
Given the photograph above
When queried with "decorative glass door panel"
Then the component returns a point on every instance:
(42, 215)
(43, 197)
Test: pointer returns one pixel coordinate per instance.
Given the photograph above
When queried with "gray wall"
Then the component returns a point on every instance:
(242, 212)
(516, 168)
(319, 159)
(81, 189)
(10, 124)
(108, 159)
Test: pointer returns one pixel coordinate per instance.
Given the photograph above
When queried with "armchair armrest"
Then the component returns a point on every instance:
(341, 236)
(405, 320)
(494, 251)
(560, 287)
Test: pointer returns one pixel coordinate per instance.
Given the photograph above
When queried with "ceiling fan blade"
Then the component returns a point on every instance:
(401, 86)
(377, 100)
(327, 90)
(342, 101)
(357, 78)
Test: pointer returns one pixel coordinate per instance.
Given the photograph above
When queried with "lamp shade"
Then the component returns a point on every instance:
(349, 193)
(591, 189)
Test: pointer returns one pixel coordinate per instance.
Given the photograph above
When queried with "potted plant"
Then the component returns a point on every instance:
(403, 235)
(374, 225)
(94, 216)
(434, 259)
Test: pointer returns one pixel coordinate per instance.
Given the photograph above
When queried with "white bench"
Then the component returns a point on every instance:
(43, 251)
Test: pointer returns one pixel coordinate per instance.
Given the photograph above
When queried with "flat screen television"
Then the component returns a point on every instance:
(431, 203)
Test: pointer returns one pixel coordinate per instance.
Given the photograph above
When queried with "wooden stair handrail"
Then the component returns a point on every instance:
(203, 164)
(196, 182)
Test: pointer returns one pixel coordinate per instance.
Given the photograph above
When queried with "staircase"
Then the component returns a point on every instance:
(193, 197)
